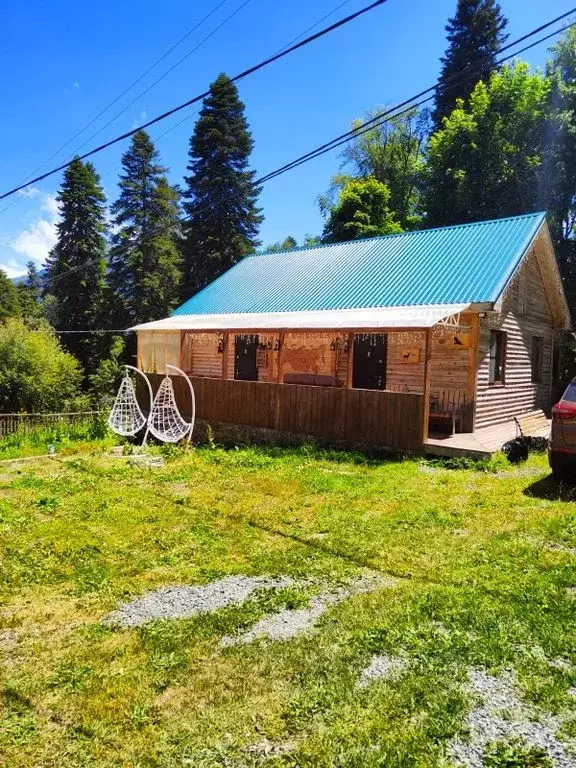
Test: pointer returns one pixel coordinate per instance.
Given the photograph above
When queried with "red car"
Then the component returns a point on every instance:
(562, 446)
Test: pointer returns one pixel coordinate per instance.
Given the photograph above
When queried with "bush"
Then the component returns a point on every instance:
(36, 374)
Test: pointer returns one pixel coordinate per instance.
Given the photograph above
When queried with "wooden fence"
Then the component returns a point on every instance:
(391, 419)
(25, 423)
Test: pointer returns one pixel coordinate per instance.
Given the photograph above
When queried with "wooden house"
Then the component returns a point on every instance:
(406, 341)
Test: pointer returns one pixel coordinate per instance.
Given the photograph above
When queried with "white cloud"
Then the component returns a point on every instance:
(28, 192)
(13, 269)
(140, 119)
(36, 241)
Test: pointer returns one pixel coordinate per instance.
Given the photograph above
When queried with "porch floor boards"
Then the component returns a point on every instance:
(480, 444)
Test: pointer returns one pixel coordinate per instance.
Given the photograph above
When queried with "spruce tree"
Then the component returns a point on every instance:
(144, 275)
(29, 292)
(475, 36)
(220, 196)
(76, 265)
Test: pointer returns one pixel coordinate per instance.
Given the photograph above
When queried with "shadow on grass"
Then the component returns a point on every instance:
(552, 490)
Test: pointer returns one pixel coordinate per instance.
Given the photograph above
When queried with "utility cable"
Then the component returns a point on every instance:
(199, 97)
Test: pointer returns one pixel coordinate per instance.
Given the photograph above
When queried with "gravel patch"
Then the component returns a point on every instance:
(183, 602)
(147, 461)
(266, 748)
(289, 623)
(382, 667)
(499, 715)
(563, 665)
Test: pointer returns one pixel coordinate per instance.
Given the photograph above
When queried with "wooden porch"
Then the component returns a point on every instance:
(359, 417)
(375, 387)
(480, 444)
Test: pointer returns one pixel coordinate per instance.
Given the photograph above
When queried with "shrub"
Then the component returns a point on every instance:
(36, 374)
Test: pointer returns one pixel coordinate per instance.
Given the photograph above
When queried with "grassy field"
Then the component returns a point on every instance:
(483, 563)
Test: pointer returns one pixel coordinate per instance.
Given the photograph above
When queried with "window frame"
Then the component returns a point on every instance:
(497, 358)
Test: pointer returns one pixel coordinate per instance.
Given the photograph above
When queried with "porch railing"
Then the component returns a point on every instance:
(391, 419)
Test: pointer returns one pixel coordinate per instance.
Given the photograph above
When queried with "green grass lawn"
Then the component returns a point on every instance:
(483, 563)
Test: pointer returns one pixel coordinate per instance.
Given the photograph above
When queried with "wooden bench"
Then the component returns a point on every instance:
(447, 408)
(532, 424)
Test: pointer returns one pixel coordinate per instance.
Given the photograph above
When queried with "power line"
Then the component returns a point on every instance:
(124, 92)
(165, 74)
(413, 102)
(383, 117)
(294, 39)
(201, 96)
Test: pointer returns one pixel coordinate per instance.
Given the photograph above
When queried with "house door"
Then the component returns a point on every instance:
(246, 347)
(369, 371)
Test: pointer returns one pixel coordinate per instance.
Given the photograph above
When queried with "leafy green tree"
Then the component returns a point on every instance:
(488, 159)
(9, 304)
(36, 374)
(144, 274)
(105, 380)
(475, 35)
(29, 292)
(76, 265)
(361, 211)
(559, 183)
(220, 196)
(392, 153)
(285, 245)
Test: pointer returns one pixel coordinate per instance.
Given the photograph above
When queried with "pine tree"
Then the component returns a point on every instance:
(220, 196)
(76, 265)
(29, 292)
(475, 35)
(144, 272)
(9, 304)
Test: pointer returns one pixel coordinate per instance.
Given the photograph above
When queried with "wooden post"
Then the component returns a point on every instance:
(280, 357)
(350, 372)
(427, 372)
(473, 368)
(225, 355)
(182, 341)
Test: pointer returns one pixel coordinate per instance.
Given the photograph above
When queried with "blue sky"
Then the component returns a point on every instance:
(64, 61)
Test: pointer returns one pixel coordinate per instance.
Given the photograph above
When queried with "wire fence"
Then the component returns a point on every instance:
(26, 423)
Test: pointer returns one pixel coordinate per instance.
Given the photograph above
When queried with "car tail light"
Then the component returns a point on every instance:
(564, 410)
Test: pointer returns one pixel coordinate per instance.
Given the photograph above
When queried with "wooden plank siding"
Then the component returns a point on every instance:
(356, 416)
(525, 313)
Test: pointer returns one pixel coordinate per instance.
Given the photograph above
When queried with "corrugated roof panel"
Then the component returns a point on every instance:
(452, 265)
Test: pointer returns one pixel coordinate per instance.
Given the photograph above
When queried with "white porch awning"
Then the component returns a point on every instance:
(352, 319)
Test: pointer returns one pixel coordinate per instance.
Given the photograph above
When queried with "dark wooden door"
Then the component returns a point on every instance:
(246, 347)
(370, 351)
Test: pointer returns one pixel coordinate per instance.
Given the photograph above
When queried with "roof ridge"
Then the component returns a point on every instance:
(533, 214)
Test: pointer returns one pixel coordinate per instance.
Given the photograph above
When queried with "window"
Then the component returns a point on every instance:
(497, 356)
(536, 358)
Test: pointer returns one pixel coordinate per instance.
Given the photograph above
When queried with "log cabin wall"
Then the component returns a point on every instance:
(405, 361)
(525, 313)
(450, 359)
(310, 353)
(200, 356)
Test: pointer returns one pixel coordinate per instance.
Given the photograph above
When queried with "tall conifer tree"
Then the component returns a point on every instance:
(475, 35)
(29, 292)
(76, 265)
(220, 197)
(144, 275)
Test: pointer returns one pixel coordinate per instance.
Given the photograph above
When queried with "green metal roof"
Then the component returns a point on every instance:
(467, 263)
